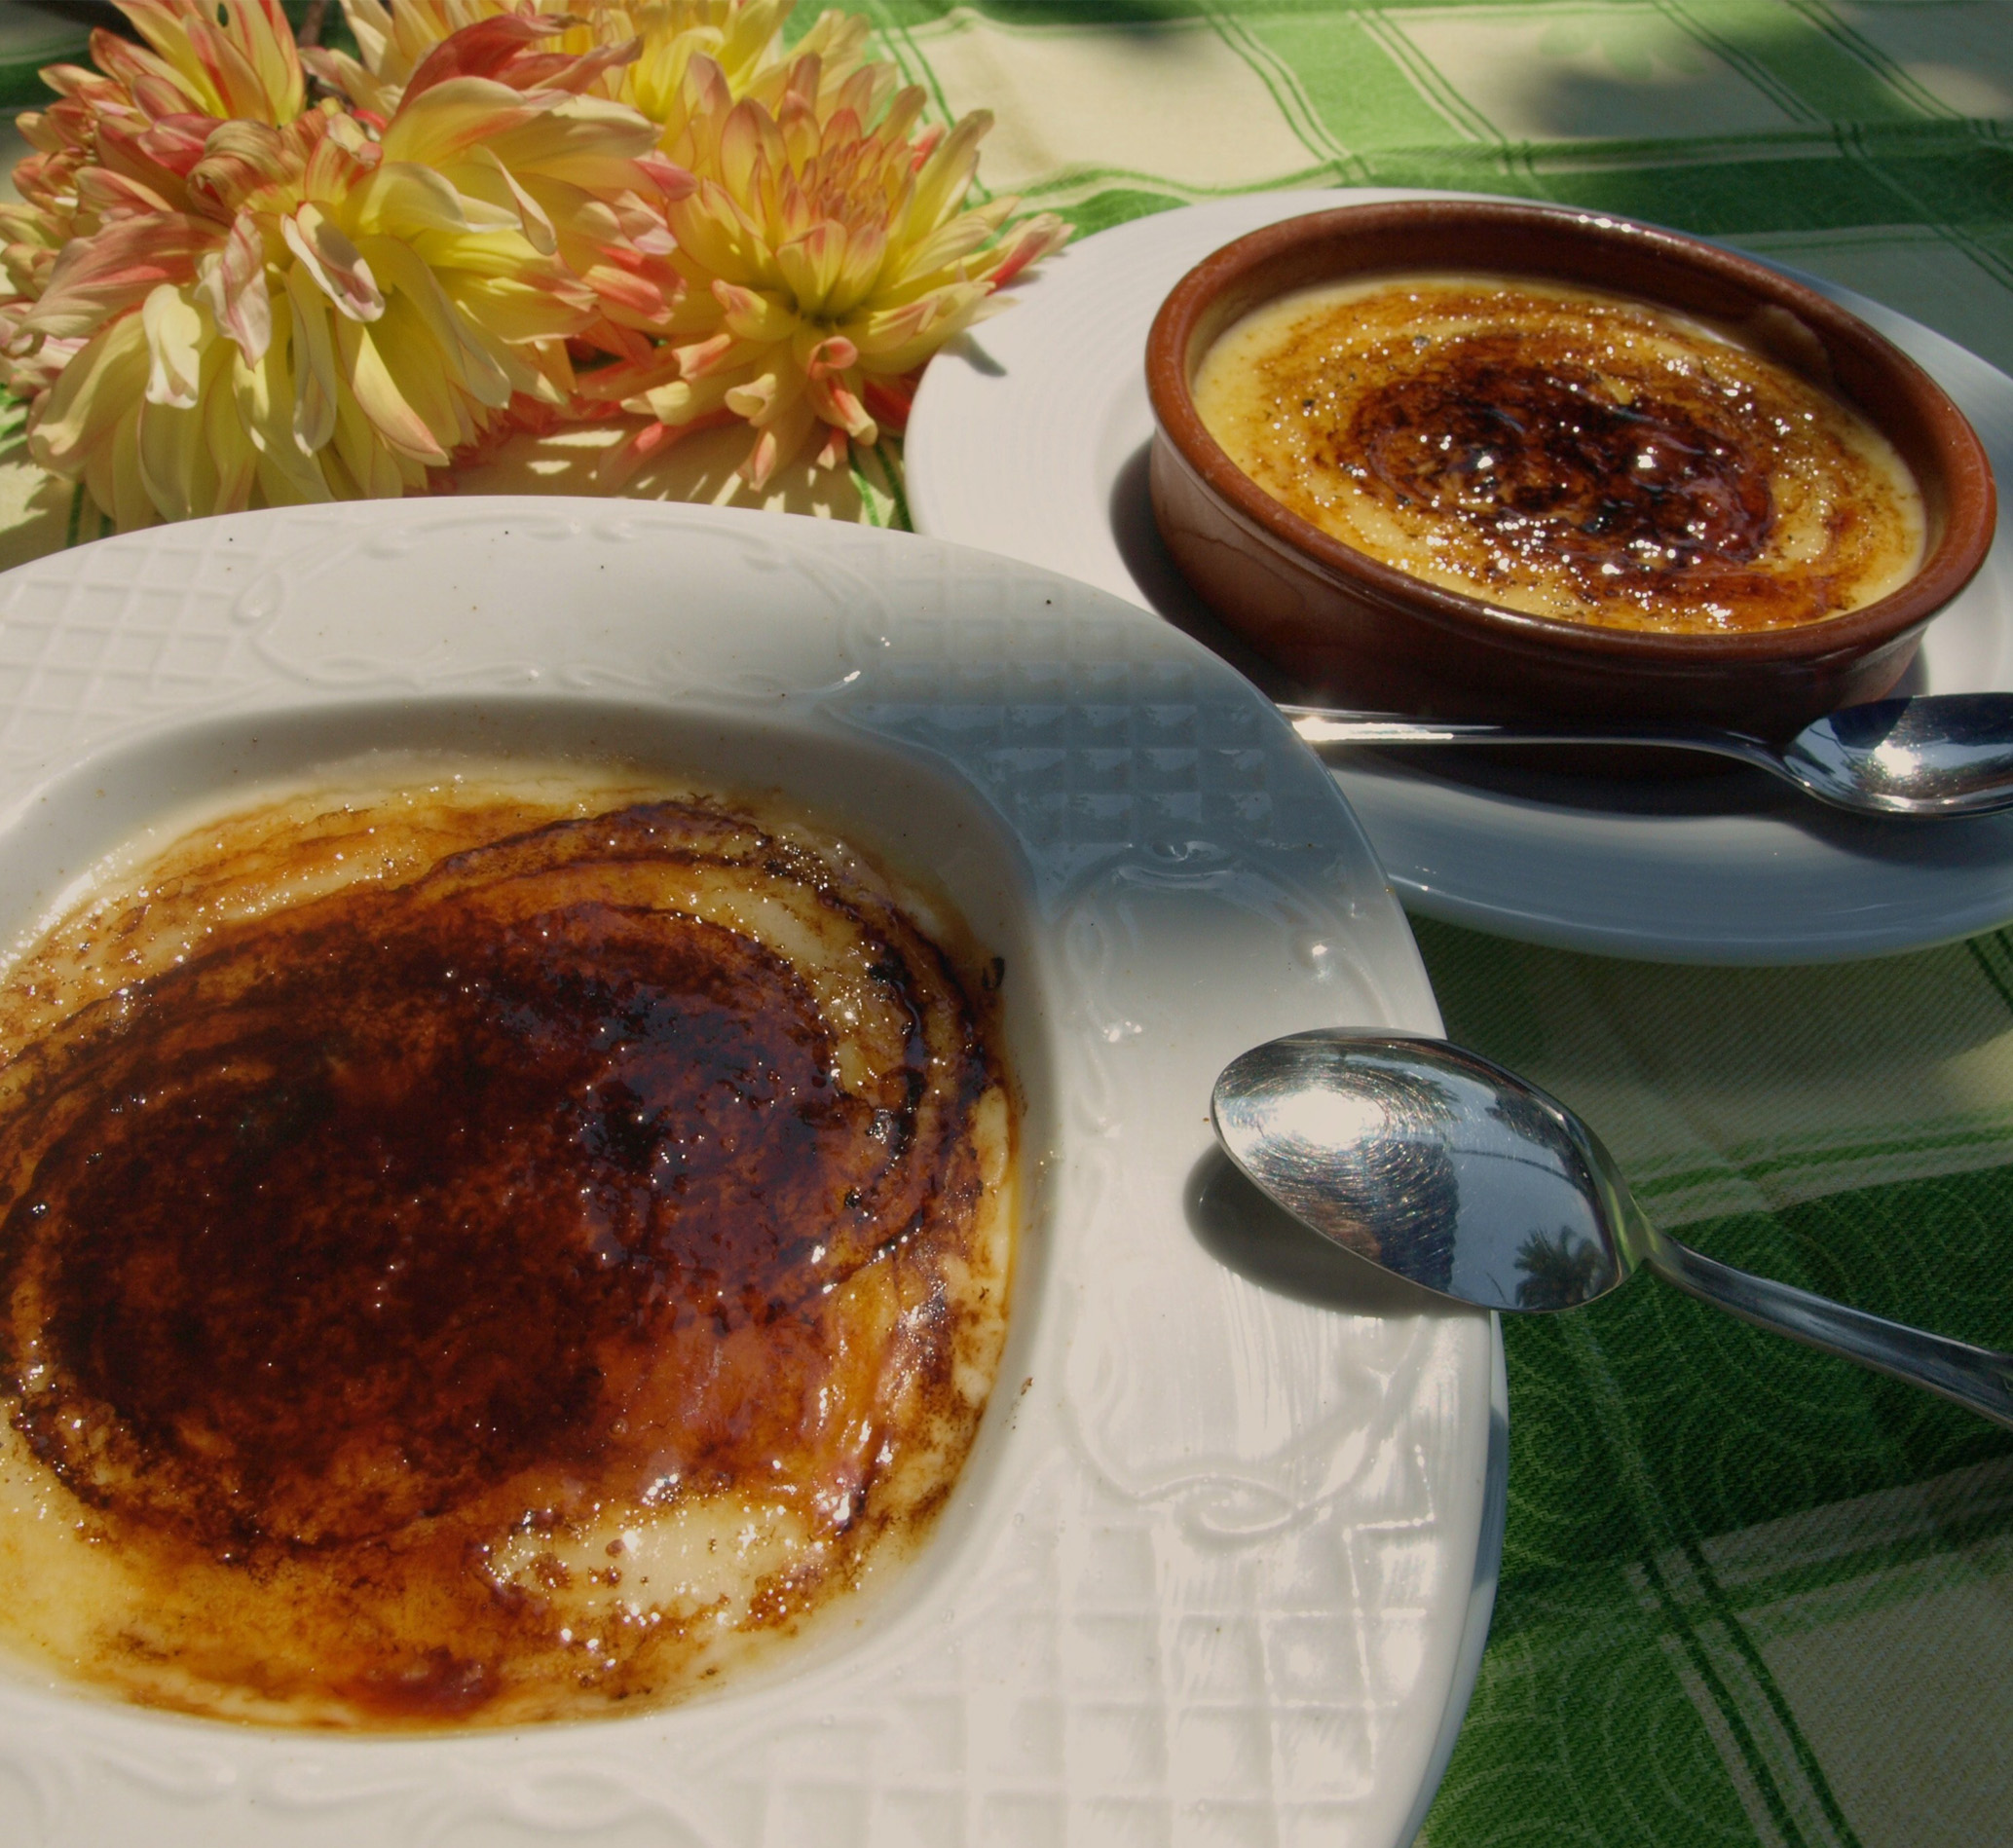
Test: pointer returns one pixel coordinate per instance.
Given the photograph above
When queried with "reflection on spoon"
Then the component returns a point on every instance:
(1456, 1174)
(1946, 754)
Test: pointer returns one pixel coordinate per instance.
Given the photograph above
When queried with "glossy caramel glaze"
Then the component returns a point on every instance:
(399, 1281)
(1563, 453)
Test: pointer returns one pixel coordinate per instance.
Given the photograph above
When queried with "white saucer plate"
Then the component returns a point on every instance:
(1029, 438)
(1219, 1566)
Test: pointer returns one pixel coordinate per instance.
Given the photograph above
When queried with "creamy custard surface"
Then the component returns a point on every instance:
(487, 1249)
(1564, 453)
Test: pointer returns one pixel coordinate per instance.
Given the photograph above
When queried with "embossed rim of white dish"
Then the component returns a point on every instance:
(1209, 1571)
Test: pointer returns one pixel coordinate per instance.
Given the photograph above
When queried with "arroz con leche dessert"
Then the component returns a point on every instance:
(484, 1248)
(1551, 448)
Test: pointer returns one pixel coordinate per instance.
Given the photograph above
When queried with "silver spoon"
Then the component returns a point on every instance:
(1945, 754)
(1457, 1174)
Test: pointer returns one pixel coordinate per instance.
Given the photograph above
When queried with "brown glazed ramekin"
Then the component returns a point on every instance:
(1367, 636)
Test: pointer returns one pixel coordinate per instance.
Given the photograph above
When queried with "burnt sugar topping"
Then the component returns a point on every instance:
(1532, 453)
(501, 1292)
(1563, 453)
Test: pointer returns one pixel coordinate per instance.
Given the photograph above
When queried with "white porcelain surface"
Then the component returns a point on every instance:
(1029, 438)
(1210, 1573)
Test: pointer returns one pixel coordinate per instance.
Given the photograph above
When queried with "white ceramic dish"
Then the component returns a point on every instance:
(1220, 1567)
(1029, 438)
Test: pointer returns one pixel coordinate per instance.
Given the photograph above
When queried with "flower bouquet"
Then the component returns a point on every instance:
(245, 275)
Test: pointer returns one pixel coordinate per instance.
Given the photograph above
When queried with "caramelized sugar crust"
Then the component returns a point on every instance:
(397, 1278)
(1564, 453)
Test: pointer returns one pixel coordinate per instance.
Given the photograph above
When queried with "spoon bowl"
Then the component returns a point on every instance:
(1448, 1170)
(1947, 754)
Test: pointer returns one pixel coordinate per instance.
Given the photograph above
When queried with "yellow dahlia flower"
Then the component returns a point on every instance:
(744, 37)
(234, 60)
(119, 138)
(636, 54)
(570, 169)
(828, 252)
(252, 311)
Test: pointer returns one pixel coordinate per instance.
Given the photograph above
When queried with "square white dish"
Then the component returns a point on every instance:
(1210, 1569)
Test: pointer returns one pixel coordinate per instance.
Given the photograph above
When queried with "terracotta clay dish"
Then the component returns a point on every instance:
(1371, 636)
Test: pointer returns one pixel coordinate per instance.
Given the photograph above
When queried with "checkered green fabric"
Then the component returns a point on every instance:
(1750, 1595)
(1872, 143)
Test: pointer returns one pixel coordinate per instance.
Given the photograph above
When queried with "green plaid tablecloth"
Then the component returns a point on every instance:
(1749, 1594)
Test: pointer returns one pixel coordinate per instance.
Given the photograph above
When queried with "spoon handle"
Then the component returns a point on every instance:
(1322, 724)
(1974, 1377)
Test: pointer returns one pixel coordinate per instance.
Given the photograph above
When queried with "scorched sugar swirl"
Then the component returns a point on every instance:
(486, 1253)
